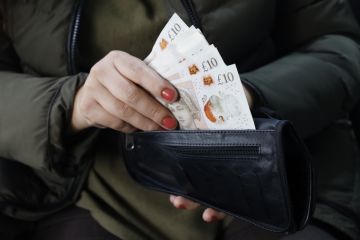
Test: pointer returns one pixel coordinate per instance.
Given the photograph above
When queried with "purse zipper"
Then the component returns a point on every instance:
(199, 150)
(193, 15)
(226, 151)
(73, 38)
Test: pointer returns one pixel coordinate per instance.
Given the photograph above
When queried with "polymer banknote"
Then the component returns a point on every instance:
(211, 95)
(187, 44)
(173, 29)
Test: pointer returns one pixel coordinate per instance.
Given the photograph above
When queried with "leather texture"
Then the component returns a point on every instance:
(262, 176)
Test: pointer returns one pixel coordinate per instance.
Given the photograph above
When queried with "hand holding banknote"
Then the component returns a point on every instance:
(124, 93)
(120, 93)
(211, 95)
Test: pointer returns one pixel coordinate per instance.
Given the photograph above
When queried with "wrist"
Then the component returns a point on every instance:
(78, 122)
(249, 96)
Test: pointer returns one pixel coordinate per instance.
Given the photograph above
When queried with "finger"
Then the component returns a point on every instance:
(128, 128)
(96, 115)
(172, 198)
(211, 215)
(135, 97)
(183, 203)
(136, 70)
(98, 126)
(123, 111)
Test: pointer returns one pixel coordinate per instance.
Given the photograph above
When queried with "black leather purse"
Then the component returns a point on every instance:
(262, 176)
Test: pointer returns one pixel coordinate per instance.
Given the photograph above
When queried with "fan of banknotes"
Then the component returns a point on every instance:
(211, 93)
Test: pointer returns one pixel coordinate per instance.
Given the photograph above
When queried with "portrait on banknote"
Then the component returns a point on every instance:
(220, 109)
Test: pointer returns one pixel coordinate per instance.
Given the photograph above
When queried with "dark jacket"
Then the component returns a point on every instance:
(301, 58)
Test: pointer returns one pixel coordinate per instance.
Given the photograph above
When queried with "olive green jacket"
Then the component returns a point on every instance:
(300, 57)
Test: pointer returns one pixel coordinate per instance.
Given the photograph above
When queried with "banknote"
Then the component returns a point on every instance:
(173, 29)
(187, 109)
(200, 63)
(211, 95)
(167, 59)
(189, 43)
(222, 99)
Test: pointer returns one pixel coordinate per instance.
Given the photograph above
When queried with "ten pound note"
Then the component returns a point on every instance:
(222, 99)
(170, 32)
(211, 93)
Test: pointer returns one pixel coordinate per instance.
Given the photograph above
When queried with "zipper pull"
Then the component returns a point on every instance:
(129, 142)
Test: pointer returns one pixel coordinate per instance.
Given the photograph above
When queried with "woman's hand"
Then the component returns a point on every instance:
(120, 93)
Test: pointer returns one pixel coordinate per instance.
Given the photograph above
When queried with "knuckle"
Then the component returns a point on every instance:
(115, 54)
(151, 127)
(118, 125)
(138, 70)
(128, 129)
(132, 95)
(86, 106)
(96, 70)
(156, 113)
(127, 111)
(119, 106)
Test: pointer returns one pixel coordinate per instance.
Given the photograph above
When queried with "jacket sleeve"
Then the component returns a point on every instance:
(42, 165)
(317, 79)
(35, 113)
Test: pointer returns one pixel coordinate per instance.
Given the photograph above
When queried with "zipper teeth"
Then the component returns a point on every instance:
(74, 43)
(73, 39)
(234, 150)
(189, 6)
(221, 150)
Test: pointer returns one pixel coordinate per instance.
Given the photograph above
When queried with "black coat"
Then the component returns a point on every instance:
(301, 58)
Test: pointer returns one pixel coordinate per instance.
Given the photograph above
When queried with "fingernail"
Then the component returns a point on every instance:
(181, 206)
(168, 94)
(213, 219)
(169, 123)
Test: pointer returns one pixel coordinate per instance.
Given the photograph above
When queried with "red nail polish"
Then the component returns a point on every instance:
(213, 219)
(169, 123)
(168, 94)
(181, 206)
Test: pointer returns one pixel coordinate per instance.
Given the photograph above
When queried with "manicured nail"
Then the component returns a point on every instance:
(213, 219)
(168, 94)
(181, 206)
(169, 123)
